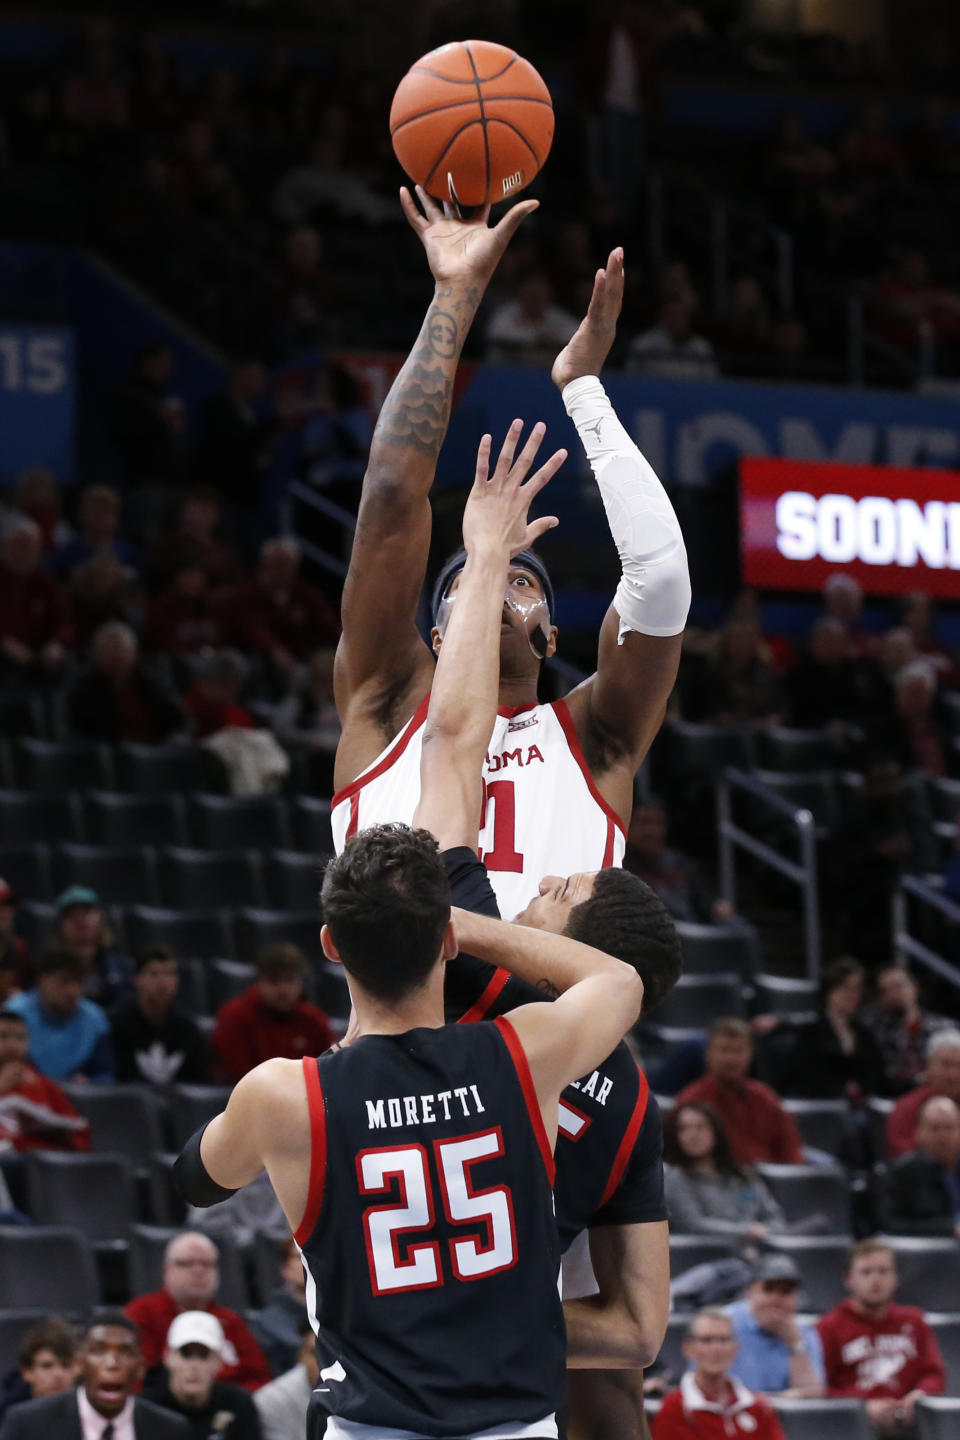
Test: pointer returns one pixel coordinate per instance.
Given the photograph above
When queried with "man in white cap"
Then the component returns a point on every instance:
(196, 1349)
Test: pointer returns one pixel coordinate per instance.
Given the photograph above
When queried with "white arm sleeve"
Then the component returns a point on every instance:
(653, 596)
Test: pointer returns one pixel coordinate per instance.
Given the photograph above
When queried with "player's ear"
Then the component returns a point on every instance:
(436, 640)
(327, 945)
(450, 947)
(551, 641)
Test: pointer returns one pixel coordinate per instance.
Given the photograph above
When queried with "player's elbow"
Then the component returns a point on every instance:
(629, 991)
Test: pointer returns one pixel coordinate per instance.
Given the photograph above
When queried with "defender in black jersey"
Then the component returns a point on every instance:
(415, 1166)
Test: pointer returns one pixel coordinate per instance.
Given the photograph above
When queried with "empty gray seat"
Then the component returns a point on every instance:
(311, 825)
(125, 1119)
(293, 879)
(205, 933)
(784, 749)
(191, 1106)
(115, 818)
(162, 769)
(806, 1190)
(822, 1262)
(120, 874)
(27, 818)
(51, 1264)
(226, 979)
(689, 1250)
(824, 1124)
(929, 1272)
(823, 1419)
(147, 1246)
(233, 822)
(938, 1417)
(56, 765)
(255, 928)
(697, 1000)
(784, 995)
(26, 870)
(947, 1330)
(93, 1192)
(717, 949)
(191, 879)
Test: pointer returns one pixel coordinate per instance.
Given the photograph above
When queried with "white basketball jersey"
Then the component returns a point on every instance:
(541, 814)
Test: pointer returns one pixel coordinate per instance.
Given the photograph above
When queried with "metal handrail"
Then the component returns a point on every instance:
(803, 874)
(907, 946)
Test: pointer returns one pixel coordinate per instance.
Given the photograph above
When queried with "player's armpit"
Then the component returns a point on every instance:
(262, 1109)
(624, 1324)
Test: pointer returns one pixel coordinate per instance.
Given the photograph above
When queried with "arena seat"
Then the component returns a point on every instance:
(706, 748)
(805, 1190)
(784, 749)
(34, 818)
(937, 1417)
(192, 991)
(267, 1266)
(94, 1192)
(697, 1000)
(822, 1262)
(26, 870)
(328, 989)
(120, 874)
(689, 1250)
(205, 933)
(226, 979)
(162, 769)
(55, 765)
(929, 1271)
(944, 798)
(198, 879)
(784, 995)
(823, 1419)
(878, 1111)
(34, 921)
(147, 1244)
(671, 1356)
(232, 822)
(191, 1106)
(50, 1263)
(114, 818)
(946, 1327)
(709, 949)
(293, 879)
(255, 928)
(14, 1326)
(813, 790)
(21, 713)
(124, 1119)
(823, 1124)
(311, 825)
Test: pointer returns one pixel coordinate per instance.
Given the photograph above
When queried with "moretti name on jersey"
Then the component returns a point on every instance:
(400, 1110)
(541, 815)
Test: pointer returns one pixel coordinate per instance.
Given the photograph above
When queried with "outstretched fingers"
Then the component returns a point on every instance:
(514, 218)
(414, 219)
(545, 474)
(508, 450)
(483, 460)
(528, 454)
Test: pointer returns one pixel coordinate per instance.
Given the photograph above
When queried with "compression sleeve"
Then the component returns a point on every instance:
(638, 1199)
(653, 596)
(191, 1177)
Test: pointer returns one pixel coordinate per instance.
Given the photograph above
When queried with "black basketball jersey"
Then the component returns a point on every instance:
(429, 1239)
(609, 1153)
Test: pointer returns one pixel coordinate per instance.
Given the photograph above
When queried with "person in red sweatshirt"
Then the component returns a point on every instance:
(943, 1078)
(191, 1278)
(34, 624)
(881, 1353)
(753, 1116)
(712, 1404)
(34, 1112)
(271, 1020)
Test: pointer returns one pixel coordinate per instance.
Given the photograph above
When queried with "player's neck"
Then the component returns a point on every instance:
(517, 690)
(422, 1009)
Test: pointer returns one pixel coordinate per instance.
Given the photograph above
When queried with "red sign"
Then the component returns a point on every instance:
(893, 530)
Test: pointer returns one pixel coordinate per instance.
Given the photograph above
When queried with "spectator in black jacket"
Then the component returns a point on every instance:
(116, 699)
(154, 1040)
(920, 1193)
(234, 448)
(835, 1056)
(831, 686)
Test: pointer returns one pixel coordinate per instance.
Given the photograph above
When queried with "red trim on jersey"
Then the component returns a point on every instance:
(481, 1006)
(354, 821)
(629, 1139)
(510, 712)
(562, 712)
(519, 1057)
(607, 849)
(399, 745)
(318, 1151)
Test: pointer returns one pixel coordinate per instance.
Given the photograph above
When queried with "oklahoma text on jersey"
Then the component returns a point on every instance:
(542, 813)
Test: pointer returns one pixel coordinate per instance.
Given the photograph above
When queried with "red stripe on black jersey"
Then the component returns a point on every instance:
(628, 1141)
(519, 1057)
(484, 1003)
(318, 1151)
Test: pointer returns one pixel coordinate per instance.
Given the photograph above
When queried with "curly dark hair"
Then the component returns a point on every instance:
(625, 918)
(723, 1157)
(386, 901)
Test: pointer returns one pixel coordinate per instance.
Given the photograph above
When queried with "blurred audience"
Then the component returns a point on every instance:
(530, 329)
(46, 1363)
(283, 1403)
(116, 699)
(835, 1057)
(901, 1027)
(196, 539)
(234, 447)
(271, 1019)
(14, 955)
(830, 686)
(195, 1351)
(35, 1114)
(675, 877)
(942, 1078)
(843, 599)
(33, 612)
(184, 618)
(707, 1192)
(671, 349)
(83, 931)
(777, 1354)
(212, 702)
(69, 1035)
(149, 423)
(739, 683)
(155, 1041)
(920, 1192)
(278, 614)
(97, 534)
(191, 1279)
(877, 1351)
(751, 1113)
(279, 1325)
(712, 1402)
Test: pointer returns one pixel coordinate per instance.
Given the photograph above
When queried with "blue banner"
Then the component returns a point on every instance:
(37, 398)
(691, 432)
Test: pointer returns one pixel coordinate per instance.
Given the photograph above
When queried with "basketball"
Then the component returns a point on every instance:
(477, 113)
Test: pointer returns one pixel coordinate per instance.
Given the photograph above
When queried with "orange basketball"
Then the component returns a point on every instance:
(476, 112)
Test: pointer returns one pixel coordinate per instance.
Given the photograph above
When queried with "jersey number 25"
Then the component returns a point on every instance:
(489, 1211)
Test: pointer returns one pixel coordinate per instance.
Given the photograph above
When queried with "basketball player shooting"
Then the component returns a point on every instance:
(559, 778)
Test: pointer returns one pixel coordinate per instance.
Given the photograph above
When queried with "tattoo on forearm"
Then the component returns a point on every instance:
(547, 987)
(416, 412)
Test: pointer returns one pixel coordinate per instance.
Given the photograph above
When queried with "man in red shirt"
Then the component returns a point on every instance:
(191, 1278)
(759, 1127)
(943, 1078)
(876, 1351)
(271, 1020)
(34, 1112)
(711, 1402)
(278, 614)
(33, 612)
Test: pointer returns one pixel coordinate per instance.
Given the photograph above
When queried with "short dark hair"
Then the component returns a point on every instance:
(386, 901)
(13, 1015)
(626, 918)
(113, 1320)
(837, 973)
(55, 960)
(154, 951)
(280, 961)
(51, 1334)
